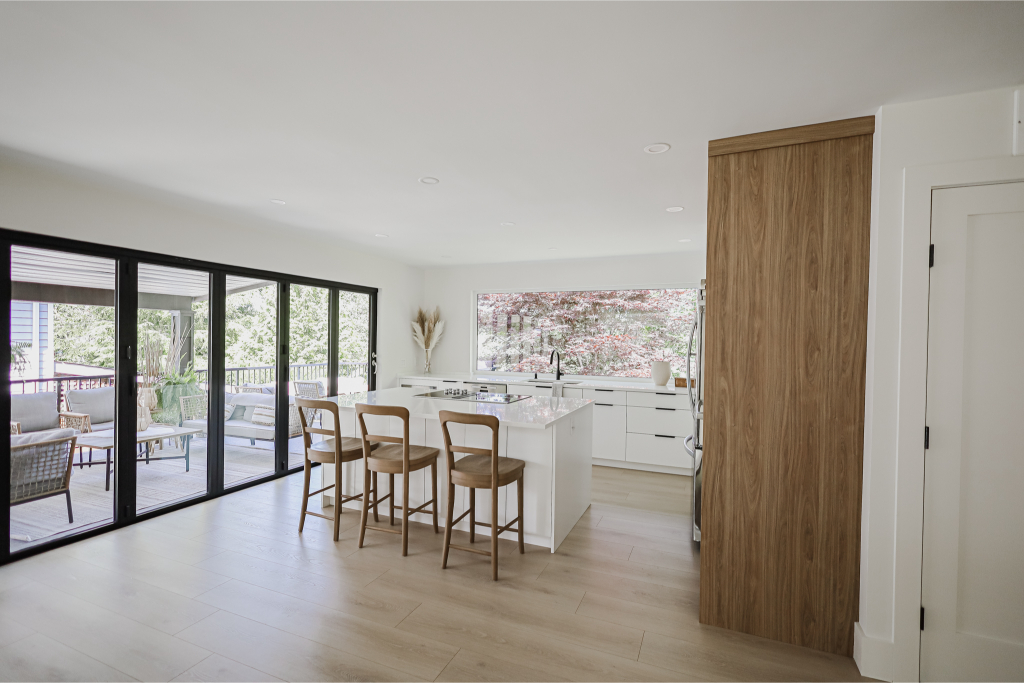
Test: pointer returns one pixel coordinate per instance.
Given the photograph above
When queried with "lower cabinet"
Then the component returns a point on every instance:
(609, 431)
(651, 449)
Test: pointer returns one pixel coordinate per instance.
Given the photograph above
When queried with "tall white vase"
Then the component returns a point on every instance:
(661, 372)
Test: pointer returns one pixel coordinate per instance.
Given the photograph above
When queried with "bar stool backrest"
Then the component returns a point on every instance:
(450, 449)
(307, 406)
(389, 411)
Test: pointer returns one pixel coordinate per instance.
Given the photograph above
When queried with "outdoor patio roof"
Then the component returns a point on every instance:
(43, 266)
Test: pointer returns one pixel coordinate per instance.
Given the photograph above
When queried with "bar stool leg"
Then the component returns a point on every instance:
(391, 500)
(494, 530)
(433, 488)
(366, 507)
(519, 512)
(375, 518)
(305, 494)
(448, 525)
(405, 514)
(337, 499)
(472, 515)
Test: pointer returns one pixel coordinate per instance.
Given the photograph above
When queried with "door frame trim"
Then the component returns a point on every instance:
(919, 183)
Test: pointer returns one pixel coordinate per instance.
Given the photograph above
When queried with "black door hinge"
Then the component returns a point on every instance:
(931, 255)
(926, 435)
(922, 618)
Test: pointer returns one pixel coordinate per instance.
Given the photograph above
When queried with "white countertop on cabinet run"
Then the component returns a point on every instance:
(626, 384)
(536, 412)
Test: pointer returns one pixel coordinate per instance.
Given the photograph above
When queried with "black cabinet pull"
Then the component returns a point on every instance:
(603, 404)
(450, 381)
(661, 393)
(664, 436)
(672, 409)
(543, 386)
(609, 390)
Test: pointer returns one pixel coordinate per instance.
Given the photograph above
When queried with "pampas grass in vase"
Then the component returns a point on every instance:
(427, 329)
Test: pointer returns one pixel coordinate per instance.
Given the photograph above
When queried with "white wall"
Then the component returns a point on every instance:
(52, 200)
(961, 128)
(452, 289)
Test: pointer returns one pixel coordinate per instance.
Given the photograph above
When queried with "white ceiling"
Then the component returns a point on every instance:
(532, 113)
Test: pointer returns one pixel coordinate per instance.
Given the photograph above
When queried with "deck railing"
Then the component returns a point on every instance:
(232, 377)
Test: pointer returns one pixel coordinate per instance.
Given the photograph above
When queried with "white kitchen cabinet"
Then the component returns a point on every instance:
(613, 396)
(569, 392)
(679, 400)
(609, 431)
(667, 421)
(648, 449)
(530, 389)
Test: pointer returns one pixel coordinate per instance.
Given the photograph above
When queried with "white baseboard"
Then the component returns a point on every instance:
(872, 655)
(622, 464)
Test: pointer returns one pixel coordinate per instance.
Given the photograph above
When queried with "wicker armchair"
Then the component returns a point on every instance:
(42, 469)
(309, 390)
(80, 421)
(193, 407)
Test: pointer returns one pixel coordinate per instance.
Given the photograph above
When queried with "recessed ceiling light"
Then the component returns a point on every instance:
(508, 224)
(686, 240)
(658, 148)
(277, 201)
(380, 234)
(552, 248)
(427, 180)
(674, 209)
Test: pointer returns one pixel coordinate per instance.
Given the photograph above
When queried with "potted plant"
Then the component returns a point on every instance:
(171, 387)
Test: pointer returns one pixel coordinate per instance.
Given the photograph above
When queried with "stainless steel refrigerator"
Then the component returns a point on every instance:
(695, 385)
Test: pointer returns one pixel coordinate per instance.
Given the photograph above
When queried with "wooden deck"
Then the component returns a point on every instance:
(159, 483)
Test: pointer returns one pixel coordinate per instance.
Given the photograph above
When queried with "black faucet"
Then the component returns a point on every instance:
(558, 367)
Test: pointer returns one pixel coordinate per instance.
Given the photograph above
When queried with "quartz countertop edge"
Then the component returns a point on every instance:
(484, 378)
(536, 412)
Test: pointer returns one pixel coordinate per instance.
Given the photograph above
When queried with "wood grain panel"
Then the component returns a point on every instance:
(818, 132)
(786, 334)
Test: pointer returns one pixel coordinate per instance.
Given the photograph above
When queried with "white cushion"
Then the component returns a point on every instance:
(98, 404)
(39, 437)
(254, 399)
(35, 412)
(194, 424)
(248, 430)
(263, 416)
(101, 426)
(229, 410)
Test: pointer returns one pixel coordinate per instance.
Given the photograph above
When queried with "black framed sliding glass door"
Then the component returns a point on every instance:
(174, 377)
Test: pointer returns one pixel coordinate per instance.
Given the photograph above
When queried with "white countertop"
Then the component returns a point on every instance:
(626, 384)
(536, 412)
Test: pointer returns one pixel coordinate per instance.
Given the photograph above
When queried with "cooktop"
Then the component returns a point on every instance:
(475, 397)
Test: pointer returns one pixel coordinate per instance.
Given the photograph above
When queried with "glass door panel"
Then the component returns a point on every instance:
(250, 372)
(307, 352)
(173, 328)
(353, 342)
(63, 359)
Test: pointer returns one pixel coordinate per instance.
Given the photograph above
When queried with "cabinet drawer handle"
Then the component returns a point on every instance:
(664, 436)
(450, 381)
(608, 390)
(661, 393)
(604, 404)
(542, 386)
(672, 409)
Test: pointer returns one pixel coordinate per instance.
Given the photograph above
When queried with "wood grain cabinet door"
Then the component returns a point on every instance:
(787, 286)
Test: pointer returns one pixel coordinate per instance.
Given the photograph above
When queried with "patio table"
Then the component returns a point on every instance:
(104, 440)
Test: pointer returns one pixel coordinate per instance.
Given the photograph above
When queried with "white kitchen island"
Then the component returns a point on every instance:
(552, 435)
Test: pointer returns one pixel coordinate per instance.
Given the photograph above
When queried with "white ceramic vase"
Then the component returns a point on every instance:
(661, 372)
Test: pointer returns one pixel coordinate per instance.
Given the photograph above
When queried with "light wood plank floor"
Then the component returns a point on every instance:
(229, 591)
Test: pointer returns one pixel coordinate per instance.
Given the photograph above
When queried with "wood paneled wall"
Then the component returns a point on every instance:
(787, 286)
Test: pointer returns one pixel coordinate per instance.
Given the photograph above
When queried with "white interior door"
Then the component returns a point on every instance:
(973, 561)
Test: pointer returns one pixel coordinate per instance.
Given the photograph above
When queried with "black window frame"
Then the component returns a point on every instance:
(127, 265)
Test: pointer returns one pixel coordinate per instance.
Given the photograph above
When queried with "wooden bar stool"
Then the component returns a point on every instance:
(481, 469)
(398, 457)
(334, 450)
